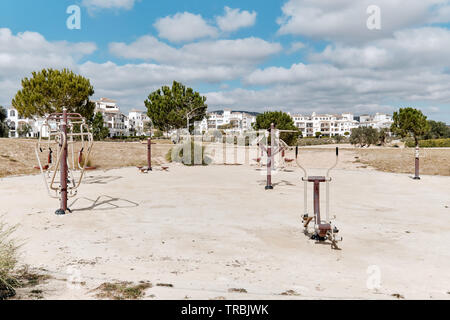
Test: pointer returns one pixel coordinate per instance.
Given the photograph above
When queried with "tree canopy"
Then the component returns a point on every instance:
(366, 136)
(3, 127)
(99, 131)
(282, 121)
(438, 130)
(49, 90)
(410, 122)
(168, 107)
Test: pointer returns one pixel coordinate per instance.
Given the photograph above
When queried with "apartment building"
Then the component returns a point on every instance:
(115, 120)
(377, 121)
(136, 122)
(16, 124)
(327, 124)
(231, 122)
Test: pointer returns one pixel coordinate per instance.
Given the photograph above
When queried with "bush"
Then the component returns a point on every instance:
(434, 143)
(8, 260)
(365, 136)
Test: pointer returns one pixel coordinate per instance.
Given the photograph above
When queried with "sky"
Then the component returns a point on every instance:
(299, 56)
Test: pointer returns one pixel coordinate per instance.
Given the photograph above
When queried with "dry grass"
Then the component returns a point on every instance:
(8, 260)
(122, 290)
(17, 156)
(432, 161)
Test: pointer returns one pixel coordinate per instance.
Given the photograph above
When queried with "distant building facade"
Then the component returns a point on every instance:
(338, 125)
(227, 120)
(114, 119)
(325, 124)
(136, 123)
(231, 122)
(17, 123)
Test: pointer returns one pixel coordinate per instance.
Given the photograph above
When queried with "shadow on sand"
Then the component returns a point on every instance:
(100, 179)
(278, 183)
(104, 203)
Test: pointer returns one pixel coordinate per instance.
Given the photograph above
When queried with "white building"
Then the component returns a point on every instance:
(16, 122)
(114, 119)
(378, 121)
(327, 124)
(237, 122)
(136, 122)
(338, 125)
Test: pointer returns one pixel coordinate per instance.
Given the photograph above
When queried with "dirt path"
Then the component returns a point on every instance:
(213, 232)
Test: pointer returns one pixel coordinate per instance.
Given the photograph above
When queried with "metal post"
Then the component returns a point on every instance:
(317, 200)
(149, 154)
(63, 166)
(269, 169)
(416, 172)
(270, 152)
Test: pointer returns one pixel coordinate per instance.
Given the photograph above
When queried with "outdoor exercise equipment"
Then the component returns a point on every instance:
(323, 228)
(416, 171)
(60, 128)
(149, 167)
(276, 146)
(149, 157)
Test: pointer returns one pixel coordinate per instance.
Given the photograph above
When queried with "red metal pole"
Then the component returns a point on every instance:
(416, 172)
(317, 200)
(149, 154)
(63, 165)
(269, 169)
(270, 159)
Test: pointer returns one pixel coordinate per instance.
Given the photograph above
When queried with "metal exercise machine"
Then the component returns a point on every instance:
(323, 228)
(61, 138)
(277, 146)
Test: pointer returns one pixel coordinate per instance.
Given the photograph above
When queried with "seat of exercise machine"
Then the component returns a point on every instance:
(316, 178)
(323, 229)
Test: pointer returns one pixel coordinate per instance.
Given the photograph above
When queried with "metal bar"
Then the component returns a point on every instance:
(317, 201)
(149, 153)
(269, 169)
(417, 163)
(64, 168)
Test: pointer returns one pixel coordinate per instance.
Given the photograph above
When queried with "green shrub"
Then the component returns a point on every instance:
(434, 143)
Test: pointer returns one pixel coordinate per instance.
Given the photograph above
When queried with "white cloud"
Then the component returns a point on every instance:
(131, 83)
(296, 46)
(219, 52)
(345, 20)
(411, 48)
(184, 27)
(27, 51)
(410, 66)
(235, 19)
(109, 4)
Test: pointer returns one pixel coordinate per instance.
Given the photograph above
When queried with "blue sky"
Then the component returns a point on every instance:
(296, 55)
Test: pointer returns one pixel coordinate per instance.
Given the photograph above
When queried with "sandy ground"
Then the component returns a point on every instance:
(206, 230)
